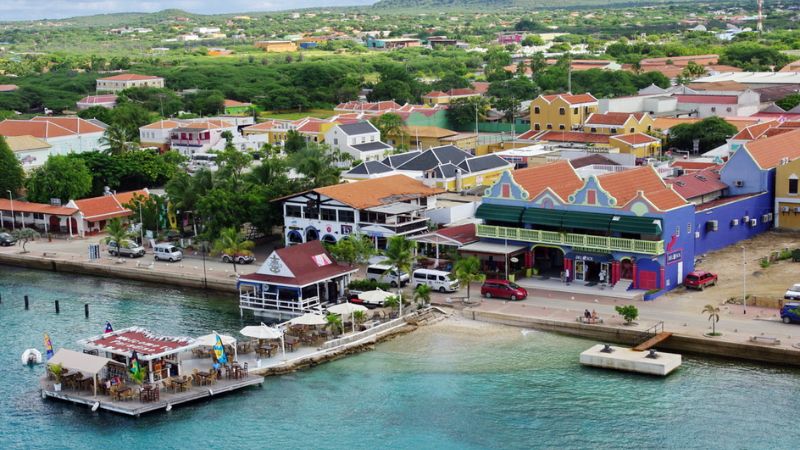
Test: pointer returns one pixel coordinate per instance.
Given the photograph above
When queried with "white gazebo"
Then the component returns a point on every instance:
(81, 362)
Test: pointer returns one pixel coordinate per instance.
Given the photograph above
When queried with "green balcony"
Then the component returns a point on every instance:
(587, 241)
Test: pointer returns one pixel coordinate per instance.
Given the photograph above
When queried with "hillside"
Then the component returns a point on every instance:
(521, 4)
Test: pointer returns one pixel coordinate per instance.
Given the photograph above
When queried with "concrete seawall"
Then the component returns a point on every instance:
(620, 335)
(31, 261)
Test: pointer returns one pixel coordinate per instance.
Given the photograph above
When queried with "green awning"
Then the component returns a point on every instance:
(499, 213)
(541, 216)
(586, 221)
(636, 225)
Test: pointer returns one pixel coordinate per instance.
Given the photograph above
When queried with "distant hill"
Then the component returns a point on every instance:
(523, 4)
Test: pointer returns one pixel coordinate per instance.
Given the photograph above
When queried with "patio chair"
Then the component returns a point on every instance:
(245, 370)
(211, 379)
(127, 395)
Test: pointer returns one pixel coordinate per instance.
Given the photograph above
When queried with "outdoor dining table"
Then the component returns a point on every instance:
(265, 350)
(149, 393)
(121, 390)
(183, 384)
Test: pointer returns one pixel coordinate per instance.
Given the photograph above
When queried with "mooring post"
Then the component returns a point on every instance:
(58, 310)
(26, 303)
(86, 310)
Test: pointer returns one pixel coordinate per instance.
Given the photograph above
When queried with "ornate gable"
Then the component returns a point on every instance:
(275, 266)
(640, 205)
(506, 188)
(592, 194)
(547, 199)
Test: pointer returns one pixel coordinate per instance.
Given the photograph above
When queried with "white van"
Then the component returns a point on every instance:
(386, 274)
(167, 252)
(438, 280)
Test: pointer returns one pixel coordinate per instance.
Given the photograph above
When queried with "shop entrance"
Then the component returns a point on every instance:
(548, 261)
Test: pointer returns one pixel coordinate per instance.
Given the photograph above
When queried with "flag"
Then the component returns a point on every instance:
(219, 351)
(108, 328)
(48, 346)
(135, 368)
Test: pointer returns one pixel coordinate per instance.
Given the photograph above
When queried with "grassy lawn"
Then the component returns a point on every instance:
(318, 113)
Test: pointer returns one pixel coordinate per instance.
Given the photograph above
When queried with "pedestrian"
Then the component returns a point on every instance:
(587, 314)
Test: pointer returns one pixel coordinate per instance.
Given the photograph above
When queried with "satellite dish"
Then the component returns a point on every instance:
(514, 259)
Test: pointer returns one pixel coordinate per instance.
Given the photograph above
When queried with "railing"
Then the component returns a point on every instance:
(654, 330)
(420, 224)
(275, 304)
(605, 243)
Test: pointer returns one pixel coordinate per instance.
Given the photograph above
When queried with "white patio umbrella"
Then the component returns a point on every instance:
(309, 319)
(347, 308)
(264, 332)
(209, 340)
(375, 297)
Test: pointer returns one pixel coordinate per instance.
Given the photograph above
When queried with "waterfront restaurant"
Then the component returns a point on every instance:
(160, 356)
(294, 280)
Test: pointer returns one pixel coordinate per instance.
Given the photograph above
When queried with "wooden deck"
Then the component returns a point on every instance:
(653, 341)
(135, 407)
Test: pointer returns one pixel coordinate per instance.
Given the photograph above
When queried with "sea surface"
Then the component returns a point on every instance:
(454, 385)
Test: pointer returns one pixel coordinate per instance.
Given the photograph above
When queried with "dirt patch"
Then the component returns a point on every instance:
(766, 285)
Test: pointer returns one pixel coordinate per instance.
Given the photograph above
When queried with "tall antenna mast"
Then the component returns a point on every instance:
(760, 26)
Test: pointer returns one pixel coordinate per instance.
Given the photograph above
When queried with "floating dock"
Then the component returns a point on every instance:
(623, 358)
(135, 407)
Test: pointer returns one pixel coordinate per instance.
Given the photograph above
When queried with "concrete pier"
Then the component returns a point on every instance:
(626, 359)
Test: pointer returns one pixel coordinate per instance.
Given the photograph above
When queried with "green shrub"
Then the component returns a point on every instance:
(628, 312)
(367, 285)
(785, 254)
(764, 263)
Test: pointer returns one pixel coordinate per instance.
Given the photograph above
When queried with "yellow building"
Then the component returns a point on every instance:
(639, 144)
(787, 195)
(562, 111)
(613, 123)
(425, 137)
(277, 46)
(445, 98)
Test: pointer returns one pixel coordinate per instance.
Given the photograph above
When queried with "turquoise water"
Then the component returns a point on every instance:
(458, 385)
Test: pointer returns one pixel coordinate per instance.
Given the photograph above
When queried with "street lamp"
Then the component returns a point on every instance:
(744, 279)
(13, 220)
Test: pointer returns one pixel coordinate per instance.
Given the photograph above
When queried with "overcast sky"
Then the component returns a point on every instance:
(57, 9)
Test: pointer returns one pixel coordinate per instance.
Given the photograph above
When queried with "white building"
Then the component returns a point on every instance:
(128, 80)
(64, 134)
(30, 151)
(361, 140)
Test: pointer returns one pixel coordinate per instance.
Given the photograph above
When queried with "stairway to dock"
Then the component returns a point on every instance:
(653, 341)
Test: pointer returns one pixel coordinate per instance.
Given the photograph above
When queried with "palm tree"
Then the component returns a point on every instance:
(422, 294)
(316, 164)
(468, 270)
(232, 243)
(334, 323)
(359, 317)
(713, 316)
(399, 255)
(118, 139)
(117, 232)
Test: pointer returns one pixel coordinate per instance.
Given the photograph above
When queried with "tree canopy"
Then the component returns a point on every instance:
(12, 177)
(711, 132)
(60, 177)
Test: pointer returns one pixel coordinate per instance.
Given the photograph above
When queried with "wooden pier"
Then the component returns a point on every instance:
(135, 407)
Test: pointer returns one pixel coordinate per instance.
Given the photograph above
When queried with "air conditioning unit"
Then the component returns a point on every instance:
(770, 216)
(753, 222)
(738, 183)
(712, 225)
(697, 235)
(797, 210)
(746, 219)
(734, 222)
(785, 209)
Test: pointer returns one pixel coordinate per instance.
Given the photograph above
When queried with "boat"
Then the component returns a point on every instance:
(31, 356)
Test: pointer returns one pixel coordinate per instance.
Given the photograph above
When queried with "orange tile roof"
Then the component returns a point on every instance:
(755, 131)
(162, 125)
(8, 87)
(434, 94)
(573, 136)
(107, 206)
(74, 124)
(231, 103)
(41, 130)
(572, 99)
(559, 176)
(635, 138)
(129, 77)
(769, 152)
(41, 208)
(428, 131)
(625, 185)
(378, 191)
(612, 118)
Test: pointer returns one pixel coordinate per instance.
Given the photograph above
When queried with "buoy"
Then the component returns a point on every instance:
(169, 407)
(210, 392)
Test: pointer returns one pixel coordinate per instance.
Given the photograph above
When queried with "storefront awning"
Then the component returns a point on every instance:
(589, 257)
(491, 248)
(501, 213)
(586, 221)
(636, 225)
(543, 217)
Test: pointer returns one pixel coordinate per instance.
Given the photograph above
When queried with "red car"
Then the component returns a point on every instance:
(700, 280)
(503, 289)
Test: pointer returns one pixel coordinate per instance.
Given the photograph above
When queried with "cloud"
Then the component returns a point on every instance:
(58, 9)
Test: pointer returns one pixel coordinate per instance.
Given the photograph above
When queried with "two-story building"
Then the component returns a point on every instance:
(379, 208)
(124, 81)
(63, 134)
(613, 123)
(361, 140)
(639, 144)
(200, 137)
(787, 195)
(561, 111)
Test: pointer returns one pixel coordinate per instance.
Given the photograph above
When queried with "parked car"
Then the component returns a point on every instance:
(790, 313)
(7, 240)
(167, 252)
(503, 289)
(437, 280)
(131, 249)
(239, 259)
(386, 274)
(793, 293)
(700, 280)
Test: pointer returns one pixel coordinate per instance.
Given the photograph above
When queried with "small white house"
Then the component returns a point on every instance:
(361, 140)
